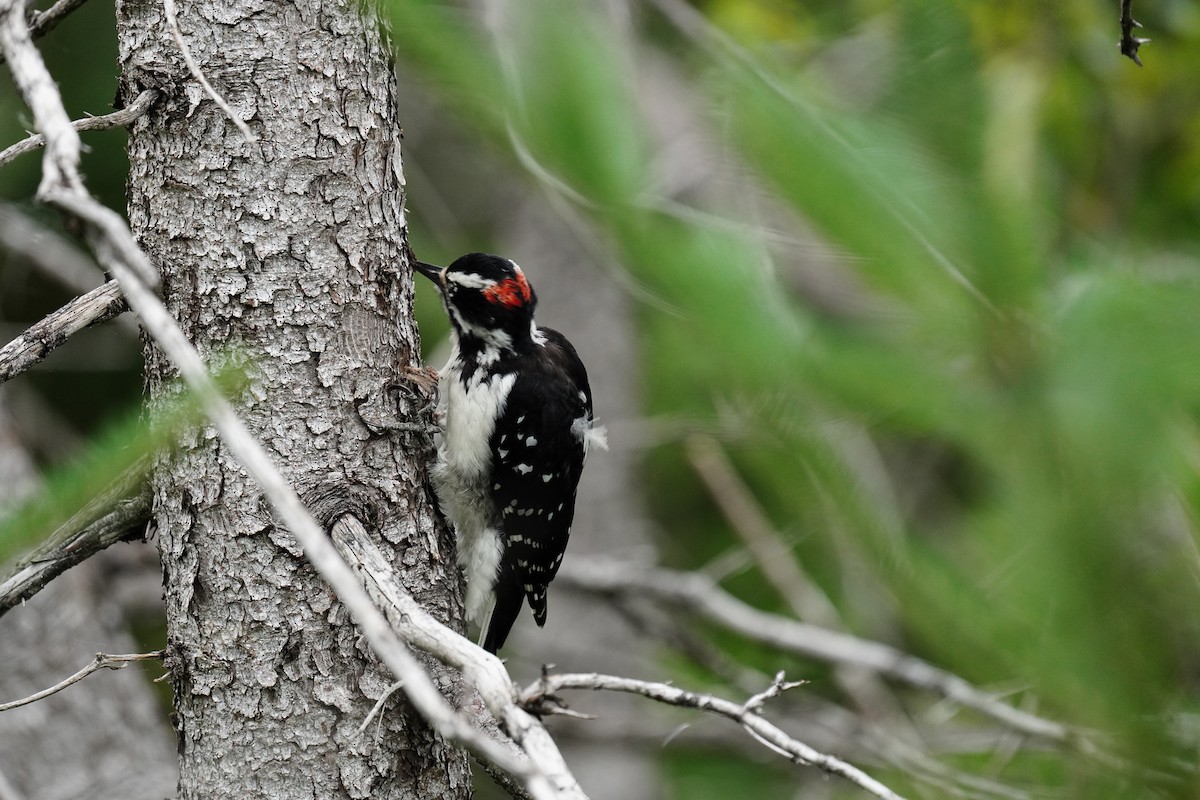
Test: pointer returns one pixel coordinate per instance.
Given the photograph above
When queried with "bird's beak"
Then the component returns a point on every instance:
(429, 271)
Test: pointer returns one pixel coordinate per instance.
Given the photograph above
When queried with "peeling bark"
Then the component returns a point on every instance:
(286, 253)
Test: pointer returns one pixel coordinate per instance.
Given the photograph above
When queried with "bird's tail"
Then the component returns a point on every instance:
(507, 606)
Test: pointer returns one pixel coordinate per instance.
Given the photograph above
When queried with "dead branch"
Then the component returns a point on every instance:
(778, 564)
(118, 513)
(117, 119)
(23, 236)
(101, 304)
(101, 661)
(698, 594)
(541, 696)
(481, 670)
(43, 22)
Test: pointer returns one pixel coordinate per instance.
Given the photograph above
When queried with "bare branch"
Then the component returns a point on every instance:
(48, 250)
(198, 74)
(1129, 43)
(745, 714)
(482, 670)
(778, 686)
(101, 661)
(750, 523)
(101, 304)
(117, 119)
(42, 23)
(110, 237)
(782, 569)
(79, 538)
(45, 21)
(698, 594)
(60, 167)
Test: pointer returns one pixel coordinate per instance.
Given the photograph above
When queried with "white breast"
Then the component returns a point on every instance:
(471, 409)
(461, 475)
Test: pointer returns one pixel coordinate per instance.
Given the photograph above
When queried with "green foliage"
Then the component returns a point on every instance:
(119, 458)
(1011, 200)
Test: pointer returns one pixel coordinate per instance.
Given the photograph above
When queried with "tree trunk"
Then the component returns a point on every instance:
(285, 252)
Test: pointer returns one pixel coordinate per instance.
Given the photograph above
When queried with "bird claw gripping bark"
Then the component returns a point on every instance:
(406, 405)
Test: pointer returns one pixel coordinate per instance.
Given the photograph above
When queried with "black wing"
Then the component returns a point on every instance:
(537, 457)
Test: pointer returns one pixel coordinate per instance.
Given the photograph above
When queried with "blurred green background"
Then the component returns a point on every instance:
(941, 313)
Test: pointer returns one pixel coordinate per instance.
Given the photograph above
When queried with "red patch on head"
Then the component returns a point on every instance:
(513, 292)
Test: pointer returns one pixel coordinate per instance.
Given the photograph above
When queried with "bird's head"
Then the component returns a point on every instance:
(487, 297)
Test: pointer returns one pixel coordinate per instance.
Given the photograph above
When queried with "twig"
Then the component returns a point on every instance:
(43, 22)
(781, 568)
(1129, 43)
(23, 235)
(544, 774)
(60, 167)
(78, 539)
(745, 715)
(198, 74)
(378, 707)
(100, 304)
(109, 234)
(46, 21)
(101, 661)
(697, 594)
(117, 119)
(778, 686)
(482, 670)
(750, 523)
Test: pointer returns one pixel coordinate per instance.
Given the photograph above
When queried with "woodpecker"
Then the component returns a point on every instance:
(518, 423)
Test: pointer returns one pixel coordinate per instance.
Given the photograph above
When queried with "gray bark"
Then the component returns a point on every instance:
(288, 252)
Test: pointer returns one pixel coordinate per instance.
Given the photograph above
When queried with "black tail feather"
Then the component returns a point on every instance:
(510, 596)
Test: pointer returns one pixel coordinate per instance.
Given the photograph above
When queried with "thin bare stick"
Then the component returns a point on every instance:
(100, 304)
(745, 714)
(79, 538)
(698, 594)
(23, 235)
(378, 707)
(747, 519)
(60, 167)
(101, 661)
(49, 251)
(783, 571)
(117, 119)
(198, 74)
(109, 233)
(43, 22)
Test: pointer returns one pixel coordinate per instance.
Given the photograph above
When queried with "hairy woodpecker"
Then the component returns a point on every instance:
(518, 423)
